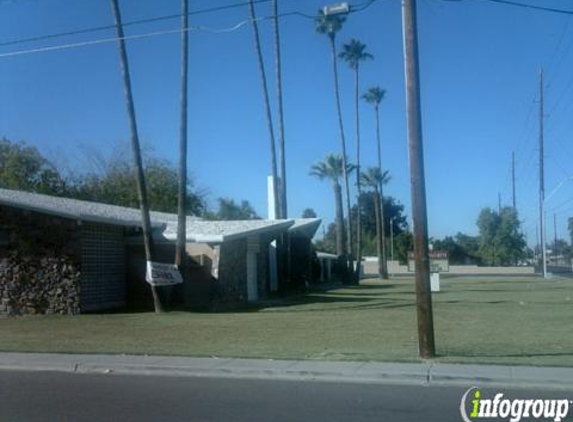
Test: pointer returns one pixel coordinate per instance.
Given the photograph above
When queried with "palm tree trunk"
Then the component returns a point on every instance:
(339, 219)
(182, 191)
(282, 242)
(282, 157)
(382, 238)
(358, 186)
(267, 106)
(344, 155)
(140, 176)
(379, 230)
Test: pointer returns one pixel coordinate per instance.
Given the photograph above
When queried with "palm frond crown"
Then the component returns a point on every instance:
(330, 168)
(354, 52)
(374, 95)
(328, 24)
(372, 177)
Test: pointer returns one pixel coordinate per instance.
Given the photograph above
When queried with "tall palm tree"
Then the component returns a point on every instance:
(374, 96)
(136, 149)
(331, 169)
(353, 54)
(282, 158)
(182, 188)
(374, 179)
(263, 77)
(331, 25)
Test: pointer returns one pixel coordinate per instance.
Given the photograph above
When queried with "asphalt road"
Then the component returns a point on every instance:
(61, 397)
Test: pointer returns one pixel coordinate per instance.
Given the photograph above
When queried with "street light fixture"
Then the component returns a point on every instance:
(336, 9)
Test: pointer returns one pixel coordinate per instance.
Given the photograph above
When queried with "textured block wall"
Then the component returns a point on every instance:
(39, 263)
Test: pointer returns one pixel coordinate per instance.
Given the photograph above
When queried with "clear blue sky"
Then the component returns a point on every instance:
(479, 72)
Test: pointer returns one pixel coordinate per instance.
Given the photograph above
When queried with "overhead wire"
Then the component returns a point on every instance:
(125, 24)
(531, 6)
(358, 8)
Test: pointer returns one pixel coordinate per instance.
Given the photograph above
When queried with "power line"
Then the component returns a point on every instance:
(561, 205)
(531, 6)
(354, 9)
(92, 42)
(139, 36)
(129, 23)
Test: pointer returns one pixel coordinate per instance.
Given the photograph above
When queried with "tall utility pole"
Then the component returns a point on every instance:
(417, 182)
(182, 191)
(513, 180)
(554, 234)
(499, 203)
(541, 179)
(140, 176)
(281, 132)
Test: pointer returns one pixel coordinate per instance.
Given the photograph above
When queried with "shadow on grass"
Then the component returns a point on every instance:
(488, 302)
(362, 297)
(372, 286)
(364, 306)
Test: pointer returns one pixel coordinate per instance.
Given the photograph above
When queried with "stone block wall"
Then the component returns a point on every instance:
(232, 284)
(103, 256)
(39, 263)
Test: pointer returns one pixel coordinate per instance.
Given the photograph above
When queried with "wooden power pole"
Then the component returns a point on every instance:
(180, 253)
(417, 182)
(140, 176)
(541, 180)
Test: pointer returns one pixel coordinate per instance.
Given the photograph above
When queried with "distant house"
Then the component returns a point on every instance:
(60, 255)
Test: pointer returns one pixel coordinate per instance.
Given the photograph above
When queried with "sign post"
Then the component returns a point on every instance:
(439, 263)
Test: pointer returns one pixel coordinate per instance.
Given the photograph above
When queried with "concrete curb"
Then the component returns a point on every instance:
(354, 372)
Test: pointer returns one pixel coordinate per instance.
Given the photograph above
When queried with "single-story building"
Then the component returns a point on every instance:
(60, 255)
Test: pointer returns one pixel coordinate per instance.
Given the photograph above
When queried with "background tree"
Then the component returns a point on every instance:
(328, 241)
(470, 246)
(331, 169)
(501, 241)
(330, 25)
(403, 243)
(308, 213)
(228, 209)
(353, 54)
(462, 249)
(22, 167)
(456, 254)
(114, 185)
(392, 208)
(373, 179)
(560, 250)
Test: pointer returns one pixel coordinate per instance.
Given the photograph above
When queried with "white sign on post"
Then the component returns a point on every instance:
(160, 274)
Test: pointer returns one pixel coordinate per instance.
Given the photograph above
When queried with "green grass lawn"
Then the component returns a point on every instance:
(499, 320)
